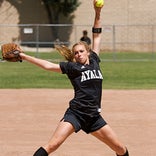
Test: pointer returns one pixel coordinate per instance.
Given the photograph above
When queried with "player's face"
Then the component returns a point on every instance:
(81, 55)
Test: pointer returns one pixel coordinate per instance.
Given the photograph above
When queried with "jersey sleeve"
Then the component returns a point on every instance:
(65, 66)
(70, 69)
(94, 56)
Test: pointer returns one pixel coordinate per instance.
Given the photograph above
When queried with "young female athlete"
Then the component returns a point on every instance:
(82, 68)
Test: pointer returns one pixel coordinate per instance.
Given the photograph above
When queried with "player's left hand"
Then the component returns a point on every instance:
(10, 52)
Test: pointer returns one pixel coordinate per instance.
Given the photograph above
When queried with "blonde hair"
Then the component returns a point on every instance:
(65, 52)
(68, 53)
(81, 43)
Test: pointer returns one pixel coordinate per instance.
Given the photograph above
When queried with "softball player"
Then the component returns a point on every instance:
(83, 113)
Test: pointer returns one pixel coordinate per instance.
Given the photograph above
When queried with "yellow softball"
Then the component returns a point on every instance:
(99, 3)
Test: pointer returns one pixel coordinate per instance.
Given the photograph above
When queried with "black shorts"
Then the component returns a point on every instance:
(86, 123)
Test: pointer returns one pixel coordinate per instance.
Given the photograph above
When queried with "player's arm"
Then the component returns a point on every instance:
(41, 63)
(96, 30)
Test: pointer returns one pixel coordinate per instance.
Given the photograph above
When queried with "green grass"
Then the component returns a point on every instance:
(129, 75)
(117, 74)
(128, 56)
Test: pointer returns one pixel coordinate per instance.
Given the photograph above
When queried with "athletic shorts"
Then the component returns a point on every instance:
(86, 123)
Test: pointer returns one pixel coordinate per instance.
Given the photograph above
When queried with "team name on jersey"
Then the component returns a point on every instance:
(91, 74)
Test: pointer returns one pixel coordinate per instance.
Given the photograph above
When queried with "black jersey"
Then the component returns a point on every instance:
(87, 84)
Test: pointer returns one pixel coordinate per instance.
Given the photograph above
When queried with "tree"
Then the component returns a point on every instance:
(56, 8)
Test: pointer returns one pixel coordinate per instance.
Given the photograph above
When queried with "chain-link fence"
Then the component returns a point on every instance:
(115, 38)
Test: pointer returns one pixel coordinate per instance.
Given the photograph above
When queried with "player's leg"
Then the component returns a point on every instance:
(107, 135)
(63, 130)
(126, 154)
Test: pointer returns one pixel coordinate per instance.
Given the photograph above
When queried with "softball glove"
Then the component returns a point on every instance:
(10, 52)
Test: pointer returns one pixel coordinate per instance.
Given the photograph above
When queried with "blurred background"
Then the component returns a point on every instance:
(128, 25)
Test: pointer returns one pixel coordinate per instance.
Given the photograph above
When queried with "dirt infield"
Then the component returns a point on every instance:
(28, 117)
